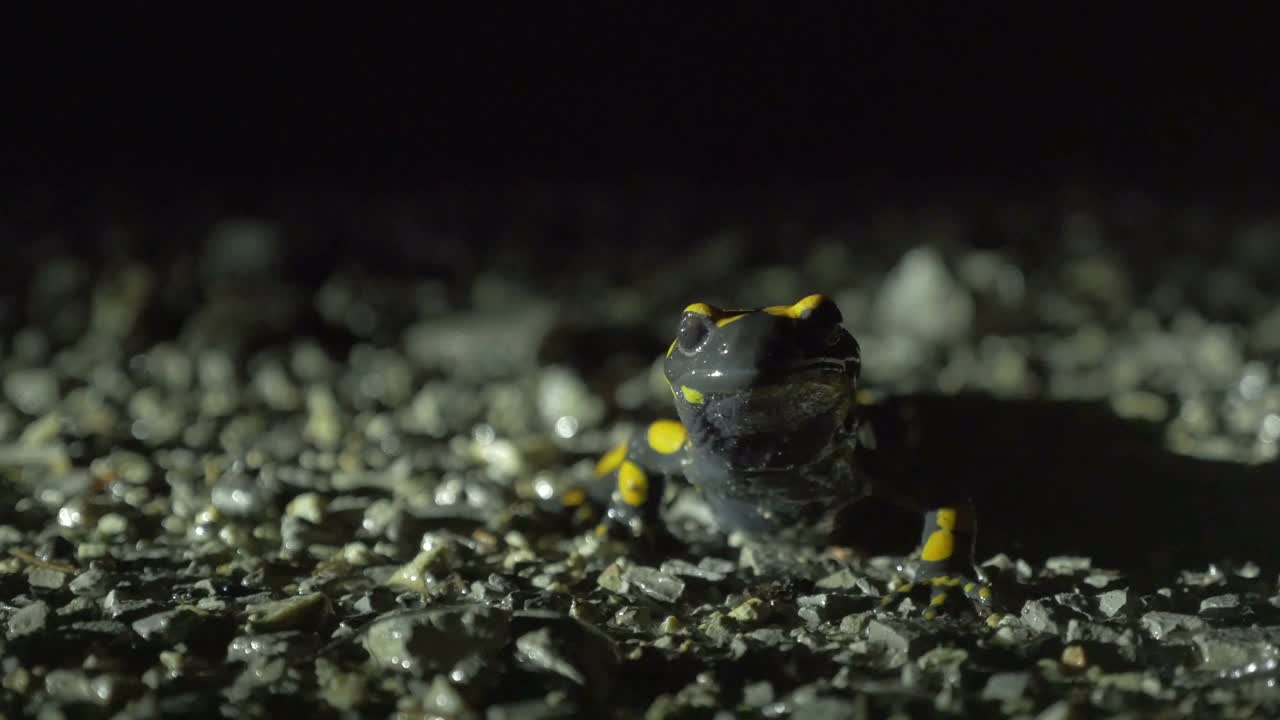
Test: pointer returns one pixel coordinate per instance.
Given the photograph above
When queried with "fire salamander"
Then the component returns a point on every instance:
(773, 432)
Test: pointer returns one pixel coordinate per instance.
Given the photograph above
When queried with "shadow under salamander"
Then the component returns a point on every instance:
(1071, 478)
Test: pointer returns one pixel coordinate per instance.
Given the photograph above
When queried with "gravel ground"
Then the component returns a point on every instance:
(241, 479)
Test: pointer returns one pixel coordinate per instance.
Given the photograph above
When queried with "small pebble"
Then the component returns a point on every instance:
(42, 578)
(28, 620)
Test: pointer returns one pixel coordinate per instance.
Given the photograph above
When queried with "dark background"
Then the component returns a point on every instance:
(347, 124)
(899, 100)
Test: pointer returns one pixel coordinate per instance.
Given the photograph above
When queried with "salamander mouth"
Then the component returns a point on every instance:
(767, 427)
(781, 407)
(735, 382)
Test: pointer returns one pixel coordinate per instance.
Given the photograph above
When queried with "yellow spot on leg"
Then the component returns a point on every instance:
(632, 484)
(691, 395)
(574, 497)
(946, 518)
(942, 542)
(940, 545)
(666, 436)
(956, 519)
(611, 460)
(968, 587)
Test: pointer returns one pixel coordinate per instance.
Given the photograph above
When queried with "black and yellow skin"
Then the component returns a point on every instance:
(769, 433)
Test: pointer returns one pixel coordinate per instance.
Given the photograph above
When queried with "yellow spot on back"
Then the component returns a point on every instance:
(574, 497)
(666, 436)
(726, 320)
(633, 485)
(938, 599)
(691, 395)
(611, 460)
(939, 546)
(798, 309)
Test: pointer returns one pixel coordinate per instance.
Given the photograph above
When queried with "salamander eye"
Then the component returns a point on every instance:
(693, 332)
(833, 338)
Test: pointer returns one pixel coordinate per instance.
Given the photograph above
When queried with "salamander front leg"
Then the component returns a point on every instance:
(630, 482)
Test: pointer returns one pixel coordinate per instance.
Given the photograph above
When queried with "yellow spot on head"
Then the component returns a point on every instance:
(946, 518)
(728, 319)
(702, 309)
(799, 309)
(968, 587)
(930, 615)
(611, 460)
(632, 484)
(985, 593)
(666, 436)
(574, 497)
(672, 349)
(807, 304)
(939, 599)
(994, 619)
(691, 395)
(939, 546)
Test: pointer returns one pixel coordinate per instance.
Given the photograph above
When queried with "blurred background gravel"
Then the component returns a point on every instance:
(297, 456)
